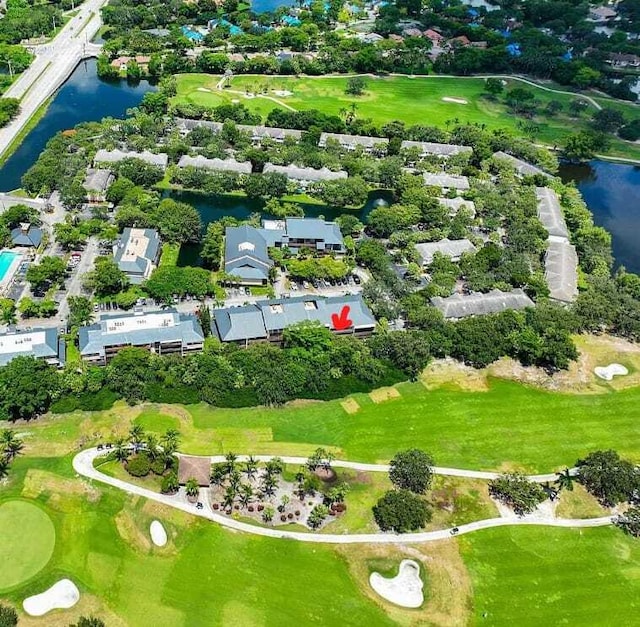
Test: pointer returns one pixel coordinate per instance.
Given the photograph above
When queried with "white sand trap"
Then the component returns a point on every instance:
(283, 93)
(405, 589)
(158, 534)
(61, 595)
(608, 372)
(203, 89)
(455, 100)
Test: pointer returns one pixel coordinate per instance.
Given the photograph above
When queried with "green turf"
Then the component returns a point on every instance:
(27, 539)
(510, 423)
(541, 576)
(414, 100)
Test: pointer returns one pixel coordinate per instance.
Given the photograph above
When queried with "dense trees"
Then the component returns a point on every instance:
(516, 491)
(8, 616)
(177, 221)
(106, 279)
(608, 477)
(401, 511)
(50, 271)
(411, 470)
(9, 108)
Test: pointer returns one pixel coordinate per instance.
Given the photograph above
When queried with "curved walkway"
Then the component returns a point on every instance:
(83, 465)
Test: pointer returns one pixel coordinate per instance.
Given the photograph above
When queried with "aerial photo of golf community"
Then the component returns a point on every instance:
(319, 313)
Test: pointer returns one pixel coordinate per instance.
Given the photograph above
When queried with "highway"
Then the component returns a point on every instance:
(54, 63)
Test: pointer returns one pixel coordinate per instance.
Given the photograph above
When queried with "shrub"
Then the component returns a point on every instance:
(629, 522)
(608, 477)
(317, 515)
(516, 491)
(8, 616)
(411, 470)
(169, 483)
(138, 465)
(401, 511)
(157, 466)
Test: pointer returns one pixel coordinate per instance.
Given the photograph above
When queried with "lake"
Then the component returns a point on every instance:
(612, 193)
(262, 6)
(83, 98)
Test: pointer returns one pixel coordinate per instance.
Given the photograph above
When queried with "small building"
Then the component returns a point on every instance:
(96, 183)
(412, 32)
(26, 235)
(460, 306)
(602, 14)
(459, 42)
(550, 212)
(434, 36)
(455, 204)
(165, 332)
(216, 165)
(39, 343)
(246, 256)
(447, 247)
(191, 467)
(619, 60)
(351, 142)
(523, 168)
(304, 175)
(159, 160)
(137, 253)
(434, 149)
(446, 181)
(266, 320)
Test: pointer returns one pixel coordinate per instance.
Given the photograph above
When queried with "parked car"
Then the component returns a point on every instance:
(306, 285)
(294, 286)
(356, 279)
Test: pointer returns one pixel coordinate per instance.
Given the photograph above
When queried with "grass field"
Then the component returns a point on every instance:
(24, 554)
(414, 100)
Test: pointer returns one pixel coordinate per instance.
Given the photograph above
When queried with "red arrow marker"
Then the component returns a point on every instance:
(342, 321)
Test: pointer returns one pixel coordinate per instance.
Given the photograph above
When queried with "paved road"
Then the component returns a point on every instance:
(83, 465)
(54, 63)
(74, 283)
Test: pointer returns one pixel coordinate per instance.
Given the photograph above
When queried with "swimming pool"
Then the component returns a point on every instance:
(6, 260)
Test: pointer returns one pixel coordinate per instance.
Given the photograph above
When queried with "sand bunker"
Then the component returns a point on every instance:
(283, 93)
(158, 534)
(608, 372)
(405, 589)
(455, 100)
(61, 595)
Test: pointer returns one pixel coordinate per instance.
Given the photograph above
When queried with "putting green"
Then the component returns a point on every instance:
(27, 538)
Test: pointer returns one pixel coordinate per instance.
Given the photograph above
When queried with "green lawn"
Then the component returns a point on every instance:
(414, 100)
(26, 553)
(536, 576)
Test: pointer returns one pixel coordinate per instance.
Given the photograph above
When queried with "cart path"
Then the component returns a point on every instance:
(83, 465)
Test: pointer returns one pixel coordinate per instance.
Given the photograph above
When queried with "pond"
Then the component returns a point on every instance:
(213, 208)
(612, 193)
(262, 6)
(83, 98)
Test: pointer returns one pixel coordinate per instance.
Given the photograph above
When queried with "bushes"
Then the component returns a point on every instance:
(412, 470)
(516, 491)
(401, 511)
(609, 478)
(87, 401)
(138, 465)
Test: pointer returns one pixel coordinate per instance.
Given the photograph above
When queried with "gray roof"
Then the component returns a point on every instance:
(135, 251)
(476, 304)
(297, 173)
(97, 180)
(561, 270)
(452, 181)
(188, 125)
(263, 132)
(40, 343)
(268, 317)
(523, 168)
(325, 233)
(26, 235)
(245, 253)
(449, 248)
(223, 165)
(455, 204)
(351, 141)
(439, 150)
(114, 156)
(139, 329)
(550, 212)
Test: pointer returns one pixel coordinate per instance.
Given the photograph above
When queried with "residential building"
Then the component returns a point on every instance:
(550, 212)
(165, 332)
(434, 36)
(602, 14)
(455, 204)
(39, 343)
(298, 233)
(351, 142)
(460, 306)
(26, 235)
(449, 248)
(435, 149)
(245, 255)
(122, 62)
(217, 165)
(618, 59)
(523, 168)
(266, 320)
(446, 181)
(160, 160)
(137, 253)
(278, 135)
(96, 183)
(304, 175)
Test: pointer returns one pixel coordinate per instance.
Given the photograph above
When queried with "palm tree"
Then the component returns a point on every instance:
(246, 494)
(269, 485)
(151, 444)
(229, 497)
(136, 434)
(231, 462)
(251, 467)
(267, 514)
(565, 480)
(192, 488)
(10, 443)
(4, 467)
(235, 480)
(170, 439)
(120, 451)
(274, 466)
